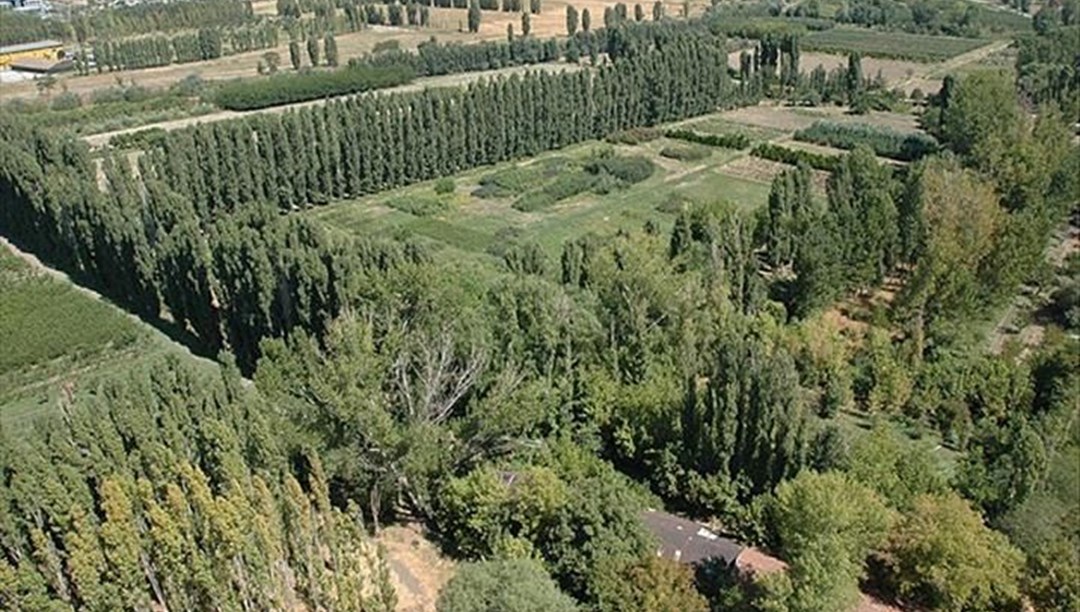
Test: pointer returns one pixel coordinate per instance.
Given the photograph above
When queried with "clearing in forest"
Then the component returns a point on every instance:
(548, 199)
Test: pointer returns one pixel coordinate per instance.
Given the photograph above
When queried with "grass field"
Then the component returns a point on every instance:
(53, 335)
(472, 225)
(897, 45)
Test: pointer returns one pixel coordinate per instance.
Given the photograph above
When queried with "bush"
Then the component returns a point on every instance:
(520, 585)
(286, 88)
(510, 181)
(628, 169)
(820, 161)
(142, 139)
(729, 141)
(686, 152)
(444, 186)
(634, 136)
(418, 205)
(567, 185)
(904, 146)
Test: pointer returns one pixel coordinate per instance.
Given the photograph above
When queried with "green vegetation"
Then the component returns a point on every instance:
(804, 371)
(794, 157)
(730, 141)
(44, 319)
(289, 88)
(885, 142)
(686, 152)
(894, 45)
(520, 585)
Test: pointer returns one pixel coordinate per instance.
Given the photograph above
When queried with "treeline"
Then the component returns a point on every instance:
(433, 58)
(162, 50)
(18, 28)
(156, 250)
(885, 142)
(288, 88)
(949, 17)
(1045, 63)
(169, 487)
(365, 145)
(157, 17)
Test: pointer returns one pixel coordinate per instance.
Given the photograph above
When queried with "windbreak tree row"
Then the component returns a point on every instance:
(369, 144)
(161, 50)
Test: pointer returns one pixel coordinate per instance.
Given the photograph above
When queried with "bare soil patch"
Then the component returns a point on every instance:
(765, 170)
(417, 570)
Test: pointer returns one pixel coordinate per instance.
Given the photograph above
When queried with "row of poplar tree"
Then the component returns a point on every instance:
(169, 488)
(162, 50)
(173, 238)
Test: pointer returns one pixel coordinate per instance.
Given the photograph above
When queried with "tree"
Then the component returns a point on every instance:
(330, 49)
(294, 54)
(272, 61)
(941, 555)
(826, 525)
(655, 584)
(474, 16)
(639, 13)
(313, 50)
(526, 24)
(518, 584)
(657, 10)
(586, 20)
(571, 20)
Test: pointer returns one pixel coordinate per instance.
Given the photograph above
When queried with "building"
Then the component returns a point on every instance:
(49, 50)
(685, 541)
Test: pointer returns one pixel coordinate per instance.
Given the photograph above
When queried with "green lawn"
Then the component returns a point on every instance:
(472, 225)
(52, 334)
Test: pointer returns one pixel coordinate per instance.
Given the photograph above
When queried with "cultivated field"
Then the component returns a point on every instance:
(889, 45)
(56, 336)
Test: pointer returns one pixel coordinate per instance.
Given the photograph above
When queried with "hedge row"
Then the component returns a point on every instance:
(820, 161)
(728, 141)
(303, 86)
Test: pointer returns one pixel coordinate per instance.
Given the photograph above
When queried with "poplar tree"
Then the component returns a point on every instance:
(294, 54)
(330, 48)
(571, 20)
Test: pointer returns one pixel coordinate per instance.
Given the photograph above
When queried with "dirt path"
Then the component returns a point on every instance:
(448, 80)
(417, 569)
(930, 80)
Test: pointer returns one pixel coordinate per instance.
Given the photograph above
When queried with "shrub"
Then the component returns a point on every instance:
(286, 88)
(142, 139)
(686, 152)
(628, 169)
(567, 185)
(634, 136)
(820, 161)
(418, 205)
(519, 584)
(513, 180)
(904, 146)
(444, 186)
(729, 141)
